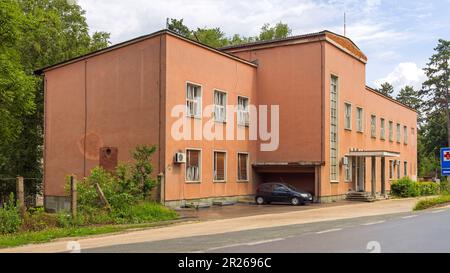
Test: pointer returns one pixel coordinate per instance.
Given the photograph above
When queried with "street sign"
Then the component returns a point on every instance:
(445, 161)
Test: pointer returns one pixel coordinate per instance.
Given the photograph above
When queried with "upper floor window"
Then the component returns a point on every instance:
(382, 128)
(391, 131)
(398, 132)
(220, 106)
(405, 134)
(348, 116)
(194, 100)
(243, 111)
(373, 126)
(359, 119)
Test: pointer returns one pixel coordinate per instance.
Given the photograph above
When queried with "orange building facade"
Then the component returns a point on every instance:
(334, 134)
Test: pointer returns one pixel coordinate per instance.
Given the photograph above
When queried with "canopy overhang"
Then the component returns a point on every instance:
(378, 153)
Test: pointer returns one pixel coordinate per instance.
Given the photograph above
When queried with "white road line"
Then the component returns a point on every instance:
(328, 230)
(438, 211)
(373, 223)
(265, 241)
(409, 216)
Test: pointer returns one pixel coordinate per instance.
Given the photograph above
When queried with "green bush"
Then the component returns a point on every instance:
(432, 202)
(445, 187)
(427, 188)
(36, 219)
(10, 220)
(404, 187)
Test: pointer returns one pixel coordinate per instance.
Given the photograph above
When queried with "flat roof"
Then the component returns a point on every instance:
(137, 40)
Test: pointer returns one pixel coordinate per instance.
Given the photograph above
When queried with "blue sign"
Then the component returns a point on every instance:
(445, 161)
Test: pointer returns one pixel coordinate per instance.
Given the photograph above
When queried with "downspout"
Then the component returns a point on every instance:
(322, 129)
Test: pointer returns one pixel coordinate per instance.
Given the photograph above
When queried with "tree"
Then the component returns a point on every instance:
(435, 89)
(213, 37)
(279, 31)
(34, 34)
(386, 89)
(410, 97)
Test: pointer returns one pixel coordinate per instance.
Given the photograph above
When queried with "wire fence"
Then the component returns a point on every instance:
(32, 190)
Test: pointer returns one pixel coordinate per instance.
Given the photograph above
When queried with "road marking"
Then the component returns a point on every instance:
(373, 223)
(438, 211)
(409, 216)
(265, 241)
(328, 230)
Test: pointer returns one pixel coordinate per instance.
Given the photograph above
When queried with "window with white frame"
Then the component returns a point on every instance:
(398, 170)
(391, 131)
(398, 132)
(334, 166)
(242, 167)
(382, 128)
(348, 170)
(193, 165)
(359, 119)
(193, 100)
(220, 166)
(405, 134)
(373, 126)
(405, 168)
(243, 111)
(220, 106)
(348, 116)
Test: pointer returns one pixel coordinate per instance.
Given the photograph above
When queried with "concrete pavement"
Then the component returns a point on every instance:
(320, 214)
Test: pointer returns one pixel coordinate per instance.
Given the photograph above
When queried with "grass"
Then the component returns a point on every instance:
(432, 202)
(41, 227)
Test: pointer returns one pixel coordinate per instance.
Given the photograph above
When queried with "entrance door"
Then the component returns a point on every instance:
(360, 173)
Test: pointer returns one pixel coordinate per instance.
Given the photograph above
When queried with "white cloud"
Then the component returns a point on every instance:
(404, 74)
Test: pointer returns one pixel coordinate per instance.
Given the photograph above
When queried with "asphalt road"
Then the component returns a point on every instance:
(427, 231)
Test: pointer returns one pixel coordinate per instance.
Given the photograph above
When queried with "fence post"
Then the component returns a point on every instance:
(73, 196)
(20, 194)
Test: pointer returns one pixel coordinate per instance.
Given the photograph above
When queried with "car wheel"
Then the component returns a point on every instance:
(295, 201)
(260, 200)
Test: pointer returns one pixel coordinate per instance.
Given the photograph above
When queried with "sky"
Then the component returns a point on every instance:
(398, 36)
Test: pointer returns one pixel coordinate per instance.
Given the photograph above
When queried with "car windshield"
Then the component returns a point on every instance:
(290, 187)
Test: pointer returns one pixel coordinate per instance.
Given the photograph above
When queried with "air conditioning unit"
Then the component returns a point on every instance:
(345, 160)
(180, 158)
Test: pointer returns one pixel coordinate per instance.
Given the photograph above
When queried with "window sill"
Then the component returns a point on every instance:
(361, 132)
(348, 129)
(220, 121)
(334, 181)
(220, 181)
(243, 181)
(193, 182)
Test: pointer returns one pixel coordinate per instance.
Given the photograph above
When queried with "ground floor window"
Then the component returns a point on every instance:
(348, 169)
(242, 167)
(391, 169)
(193, 166)
(398, 169)
(219, 166)
(405, 168)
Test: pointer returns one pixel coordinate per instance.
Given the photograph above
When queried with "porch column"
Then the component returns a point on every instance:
(374, 189)
(383, 176)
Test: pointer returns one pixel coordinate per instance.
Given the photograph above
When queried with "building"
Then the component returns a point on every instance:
(335, 134)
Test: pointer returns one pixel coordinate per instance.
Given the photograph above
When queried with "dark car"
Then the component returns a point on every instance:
(281, 192)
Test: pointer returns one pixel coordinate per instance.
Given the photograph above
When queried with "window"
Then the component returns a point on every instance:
(391, 169)
(242, 167)
(194, 101)
(243, 112)
(334, 167)
(405, 168)
(382, 129)
(220, 106)
(391, 131)
(359, 119)
(348, 170)
(373, 126)
(398, 169)
(398, 132)
(348, 116)
(219, 166)
(193, 168)
(405, 135)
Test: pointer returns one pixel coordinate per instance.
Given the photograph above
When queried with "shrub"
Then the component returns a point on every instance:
(444, 187)
(144, 212)
(432, 202)
(427, 188)
(10, 220)
(36, 219)
(404, 187)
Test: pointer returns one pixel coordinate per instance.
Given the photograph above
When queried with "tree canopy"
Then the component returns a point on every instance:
(386, 89)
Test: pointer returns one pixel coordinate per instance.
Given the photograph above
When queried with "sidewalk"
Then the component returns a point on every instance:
(319, 214)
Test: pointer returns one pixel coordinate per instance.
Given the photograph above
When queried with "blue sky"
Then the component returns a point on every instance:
(397, 36)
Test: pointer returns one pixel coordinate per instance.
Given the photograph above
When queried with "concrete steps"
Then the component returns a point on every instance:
(360, 196)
